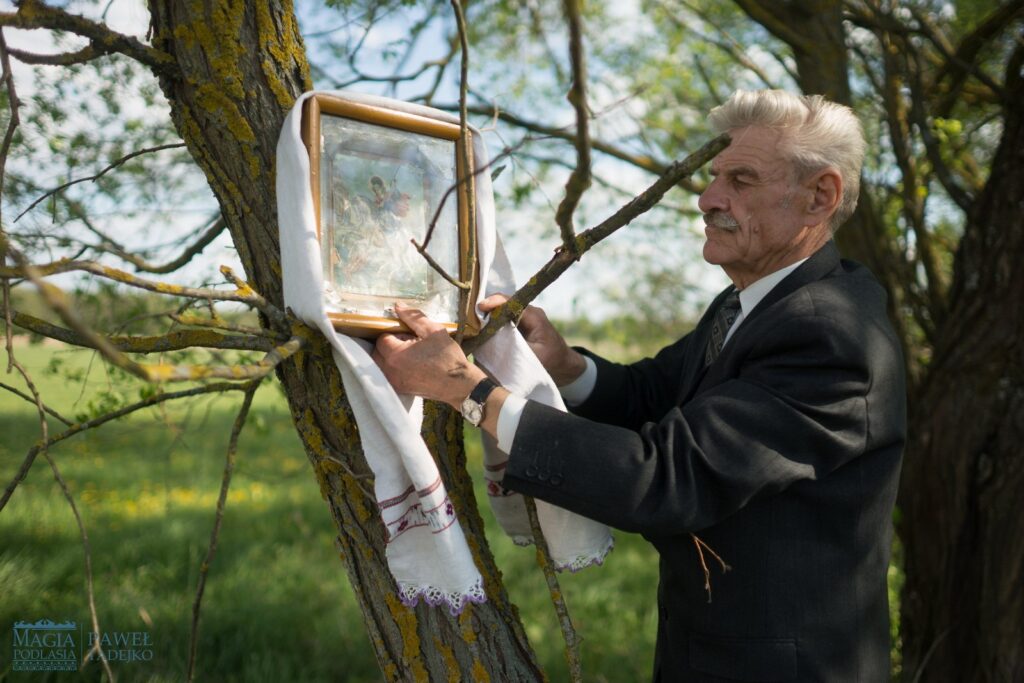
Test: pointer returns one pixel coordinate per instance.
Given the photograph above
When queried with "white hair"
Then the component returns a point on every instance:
(816, 134)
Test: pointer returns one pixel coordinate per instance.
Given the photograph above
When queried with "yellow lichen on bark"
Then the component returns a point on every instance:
(451, 664)
(405, 619)
(480, 674)
(283, 53)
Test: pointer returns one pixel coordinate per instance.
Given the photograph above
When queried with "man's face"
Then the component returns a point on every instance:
(753, 208)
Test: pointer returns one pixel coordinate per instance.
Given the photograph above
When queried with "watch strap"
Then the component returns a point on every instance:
(482, 390)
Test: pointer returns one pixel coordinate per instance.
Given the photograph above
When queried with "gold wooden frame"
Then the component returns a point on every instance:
(316, 106)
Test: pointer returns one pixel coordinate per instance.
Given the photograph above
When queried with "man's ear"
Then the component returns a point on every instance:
(826, 189)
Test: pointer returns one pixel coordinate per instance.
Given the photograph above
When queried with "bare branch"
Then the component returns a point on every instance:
(961, 64)
(216, 322)
(76, 429)
(211, 551)
(12, 125)
(579, 179)
(172, 341)
(513, 308)
(58, 302)
(572, 640)
(468, 176)
(727, 44)
(639, 160)
(28, 398)
(97, 647)
(44, 447)
(243, 292)
(93, 178)
(33, 14)
(439, 269)
(142, 265)
(86, 54)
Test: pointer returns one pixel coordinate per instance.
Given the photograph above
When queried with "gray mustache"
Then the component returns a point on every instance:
(717, 219)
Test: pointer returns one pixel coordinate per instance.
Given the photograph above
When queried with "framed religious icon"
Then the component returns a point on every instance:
(382, 179)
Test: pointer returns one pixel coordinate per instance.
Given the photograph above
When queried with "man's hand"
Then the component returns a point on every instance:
(560, 360)
(427, 362)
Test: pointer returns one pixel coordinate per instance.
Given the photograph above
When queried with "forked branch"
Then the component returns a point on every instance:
(560, 262)
(32, 14)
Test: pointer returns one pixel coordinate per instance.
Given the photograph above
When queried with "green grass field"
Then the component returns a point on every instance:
(277, 605)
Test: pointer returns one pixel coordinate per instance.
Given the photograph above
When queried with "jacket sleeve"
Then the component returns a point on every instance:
(631, 395)
(795, 409)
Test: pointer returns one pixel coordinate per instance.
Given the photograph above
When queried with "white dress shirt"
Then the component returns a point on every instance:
(577, 391)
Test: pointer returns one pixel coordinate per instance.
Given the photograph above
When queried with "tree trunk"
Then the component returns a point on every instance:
(242, 65)
(962, 525)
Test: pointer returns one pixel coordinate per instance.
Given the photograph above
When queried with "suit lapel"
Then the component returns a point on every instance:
(815, 268)
(820, 264)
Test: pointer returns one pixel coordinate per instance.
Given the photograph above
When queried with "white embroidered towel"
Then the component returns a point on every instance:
(427, 552)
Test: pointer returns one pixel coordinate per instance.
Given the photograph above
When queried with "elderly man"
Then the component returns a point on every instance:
(774, 430)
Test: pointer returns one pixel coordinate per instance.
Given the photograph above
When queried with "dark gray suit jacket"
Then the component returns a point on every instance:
(783, 456)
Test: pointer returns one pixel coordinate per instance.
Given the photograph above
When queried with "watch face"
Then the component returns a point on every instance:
(472, 411)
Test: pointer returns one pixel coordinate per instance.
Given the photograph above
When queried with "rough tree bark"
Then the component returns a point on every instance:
(962, 527)
(241, 66)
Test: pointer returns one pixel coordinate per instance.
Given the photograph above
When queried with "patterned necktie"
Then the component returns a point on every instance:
(725, 316)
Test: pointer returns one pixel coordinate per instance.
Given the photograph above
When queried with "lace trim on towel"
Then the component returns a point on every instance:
(410, 596)
(577, 563)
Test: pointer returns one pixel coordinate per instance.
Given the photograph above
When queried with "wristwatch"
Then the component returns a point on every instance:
(473, 405)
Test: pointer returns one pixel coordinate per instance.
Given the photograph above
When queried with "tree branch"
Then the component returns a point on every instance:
(572, 641)
(640, 161)
(190, 252)
(513, 308)
(98, 175)
(76, 429)
(33, 14)
(211, 551)
(172, 341)
(28, 398)
(44, 431)
(469, 178)
(579, 179)
(86, 54)
(243, 292)
(961, 63)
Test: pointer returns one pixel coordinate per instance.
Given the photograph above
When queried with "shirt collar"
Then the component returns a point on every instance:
(751, 295)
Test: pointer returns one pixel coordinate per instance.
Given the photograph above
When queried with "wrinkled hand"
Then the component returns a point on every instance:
(560, 360)
(426, 362)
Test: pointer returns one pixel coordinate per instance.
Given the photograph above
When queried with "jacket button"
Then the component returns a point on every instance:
(543, 476)
(556, 480)
(531, 471)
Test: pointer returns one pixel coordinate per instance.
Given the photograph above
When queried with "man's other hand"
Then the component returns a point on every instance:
(560, 360)
(426, 362)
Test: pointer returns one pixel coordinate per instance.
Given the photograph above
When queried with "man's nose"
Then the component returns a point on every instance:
(712, 198)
